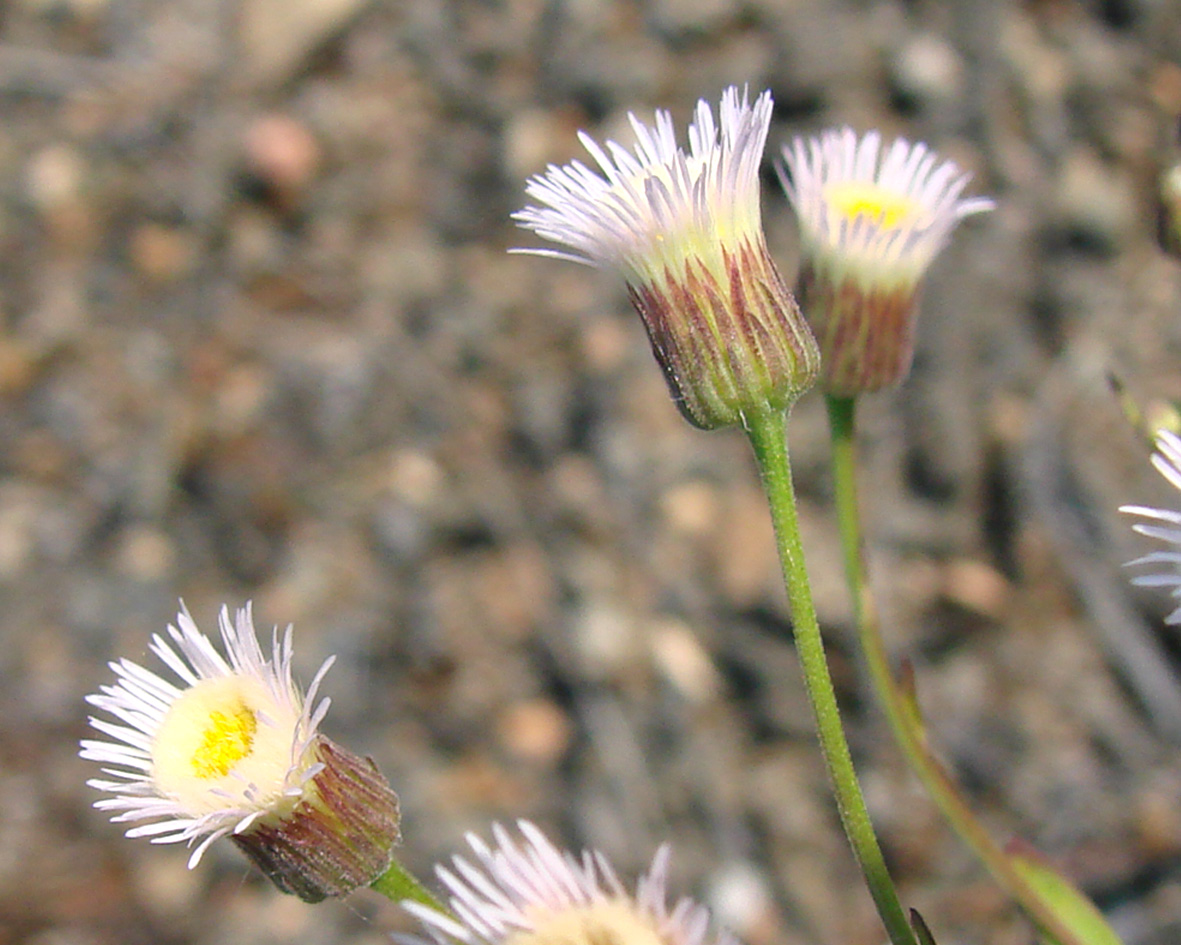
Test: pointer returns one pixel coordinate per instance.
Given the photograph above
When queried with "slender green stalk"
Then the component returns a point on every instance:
(768, 436)
(399, 884)
(900, 710)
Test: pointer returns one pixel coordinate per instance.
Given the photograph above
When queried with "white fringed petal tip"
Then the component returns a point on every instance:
(656, 203)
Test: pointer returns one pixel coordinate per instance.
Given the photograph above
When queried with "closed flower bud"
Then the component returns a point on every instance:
(684, 231)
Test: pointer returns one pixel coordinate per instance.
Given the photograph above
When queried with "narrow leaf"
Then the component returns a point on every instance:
(921, 932)
(1075, 910)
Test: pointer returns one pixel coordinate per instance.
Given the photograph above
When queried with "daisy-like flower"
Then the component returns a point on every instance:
(871, 219)
(1167, 460)
(684, 232)
(233, 750)
(528, 892)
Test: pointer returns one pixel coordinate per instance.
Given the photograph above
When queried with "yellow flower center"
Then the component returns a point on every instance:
(226, 741)
(888, 208)
(605, 923)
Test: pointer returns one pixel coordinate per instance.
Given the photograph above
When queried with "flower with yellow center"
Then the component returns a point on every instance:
(871, 219)
(234, 751)
(1167, 460)
(684, 232)
(530, 893)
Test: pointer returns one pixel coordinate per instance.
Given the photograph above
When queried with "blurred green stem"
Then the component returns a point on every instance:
(399, 885)
(901, 710)
(767, 431)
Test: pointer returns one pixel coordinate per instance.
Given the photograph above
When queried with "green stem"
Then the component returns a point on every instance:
(902, 715)
(768, 437)
(399, 884)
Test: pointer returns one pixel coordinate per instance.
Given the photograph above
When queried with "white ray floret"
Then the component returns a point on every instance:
(529, 893)
(1167, 563)
(889, 206)
(656, 203)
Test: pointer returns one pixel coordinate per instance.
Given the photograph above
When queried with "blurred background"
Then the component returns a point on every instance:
(260, 339)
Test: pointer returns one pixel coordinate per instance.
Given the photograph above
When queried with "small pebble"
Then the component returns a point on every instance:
(536, 731)
(283, 154)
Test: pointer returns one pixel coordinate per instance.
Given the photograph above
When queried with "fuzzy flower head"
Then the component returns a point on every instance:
(528, 892)
(684, 231)
(233, 749)
(872, 219)
(1163, 525)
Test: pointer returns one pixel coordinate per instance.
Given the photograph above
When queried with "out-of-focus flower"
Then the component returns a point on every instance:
(1169, 211)
(871, 219)
(234, 751)
(1167, 564)
(530, 893)
(685, 233)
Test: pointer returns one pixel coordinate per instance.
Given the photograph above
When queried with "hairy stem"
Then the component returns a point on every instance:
(768, 436)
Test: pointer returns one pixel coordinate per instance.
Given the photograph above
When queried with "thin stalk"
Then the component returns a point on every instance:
(903, 719)
(399, 884)
(768, 436)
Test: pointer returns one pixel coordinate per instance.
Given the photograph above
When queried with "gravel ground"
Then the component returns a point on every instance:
(260, 339)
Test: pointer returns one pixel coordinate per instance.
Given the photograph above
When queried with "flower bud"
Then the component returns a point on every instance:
(685, 233)
(339, 836)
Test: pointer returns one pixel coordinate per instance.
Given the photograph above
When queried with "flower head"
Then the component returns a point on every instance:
(1167, 460)
(685, 233)
(872, 219)
(530, 893)
(234, 750)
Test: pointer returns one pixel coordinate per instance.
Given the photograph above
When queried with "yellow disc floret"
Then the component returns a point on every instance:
(889, 209)
(224, 740)
(227, 740)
